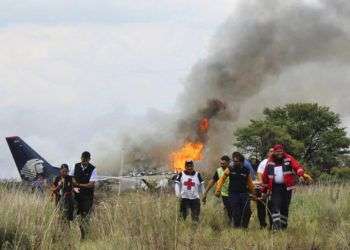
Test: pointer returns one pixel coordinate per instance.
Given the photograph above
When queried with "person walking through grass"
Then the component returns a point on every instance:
(188, 187)
(279, 181)
(240, 185)
(85, 175)
(224, 164)
(63, 190)
(262, 204)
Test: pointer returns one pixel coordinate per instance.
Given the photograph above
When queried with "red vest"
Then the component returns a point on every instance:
(290, 166)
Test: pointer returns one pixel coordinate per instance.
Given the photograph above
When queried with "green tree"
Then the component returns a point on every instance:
(311, 132)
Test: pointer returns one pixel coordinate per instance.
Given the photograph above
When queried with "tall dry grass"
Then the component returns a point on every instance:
(320, 219)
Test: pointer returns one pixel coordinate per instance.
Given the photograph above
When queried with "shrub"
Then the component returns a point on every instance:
(341, 173)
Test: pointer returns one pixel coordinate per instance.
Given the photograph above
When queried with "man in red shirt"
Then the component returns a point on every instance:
(279, 181)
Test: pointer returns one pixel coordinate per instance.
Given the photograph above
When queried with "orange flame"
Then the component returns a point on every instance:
(203, 125)
(189, 151)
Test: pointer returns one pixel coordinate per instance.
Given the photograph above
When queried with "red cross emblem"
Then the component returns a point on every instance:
(189, 184)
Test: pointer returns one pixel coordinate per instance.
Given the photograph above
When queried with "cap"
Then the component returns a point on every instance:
(278, 147)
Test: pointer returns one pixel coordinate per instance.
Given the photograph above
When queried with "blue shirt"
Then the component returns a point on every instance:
(249, 166)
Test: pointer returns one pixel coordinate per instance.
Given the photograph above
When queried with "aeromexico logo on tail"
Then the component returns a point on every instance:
(32, 168)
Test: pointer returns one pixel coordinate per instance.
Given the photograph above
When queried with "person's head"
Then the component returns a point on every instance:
(269, 153)
(64, 170)
(189, 166)
(278, 152)
(85, 157)
(237, 159)
(224, 161)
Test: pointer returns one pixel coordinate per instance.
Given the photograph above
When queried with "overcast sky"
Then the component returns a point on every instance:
(72, 72)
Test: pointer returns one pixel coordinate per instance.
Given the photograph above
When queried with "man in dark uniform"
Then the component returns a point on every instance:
(240, 185)
(85, 176)
(63, 191)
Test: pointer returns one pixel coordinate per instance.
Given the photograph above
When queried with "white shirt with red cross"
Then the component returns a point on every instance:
(189, 186)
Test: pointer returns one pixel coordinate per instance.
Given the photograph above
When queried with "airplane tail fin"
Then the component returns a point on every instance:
(29, 163)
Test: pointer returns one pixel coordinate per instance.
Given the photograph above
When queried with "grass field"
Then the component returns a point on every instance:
(320, 219)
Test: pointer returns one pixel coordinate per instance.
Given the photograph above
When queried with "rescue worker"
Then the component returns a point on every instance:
(279, 181)
(188, 185)
(240, 185)
(262, 203)
(63, 190)
(85, 176)
(224, 164)
(246, 164)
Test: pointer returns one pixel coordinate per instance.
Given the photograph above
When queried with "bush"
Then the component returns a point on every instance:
(337, 175)
(341, 173)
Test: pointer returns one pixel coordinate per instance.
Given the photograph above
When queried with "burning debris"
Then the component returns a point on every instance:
(195, 141)
(265, 48)
(189, 151)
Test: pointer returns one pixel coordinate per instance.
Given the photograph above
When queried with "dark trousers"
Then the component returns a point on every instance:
(66, 204)
(84, 205)
(240, 207)
(193, 205)
(280, 200)
(228, 207)
(261, 206)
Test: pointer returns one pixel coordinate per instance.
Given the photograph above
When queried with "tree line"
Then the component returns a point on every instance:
(312, 133)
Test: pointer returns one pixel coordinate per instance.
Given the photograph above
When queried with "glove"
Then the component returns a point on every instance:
(307, 178)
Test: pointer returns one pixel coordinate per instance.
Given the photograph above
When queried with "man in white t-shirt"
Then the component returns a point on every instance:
(262, 165)
(261, 203)
(188, 185)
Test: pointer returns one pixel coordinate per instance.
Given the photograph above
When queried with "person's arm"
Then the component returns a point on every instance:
(261, 169)
(201, 188)
(55, 187)
(74, 182)
(177, 189)
(250, 185)
(265, 180)
(91, 183)
(221, 182)
(210, 185)
(178, 185)
(297, 167)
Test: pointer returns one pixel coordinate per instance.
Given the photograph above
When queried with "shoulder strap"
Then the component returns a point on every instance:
(196, 175)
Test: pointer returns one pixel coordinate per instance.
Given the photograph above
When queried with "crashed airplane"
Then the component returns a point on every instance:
(30, 164)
